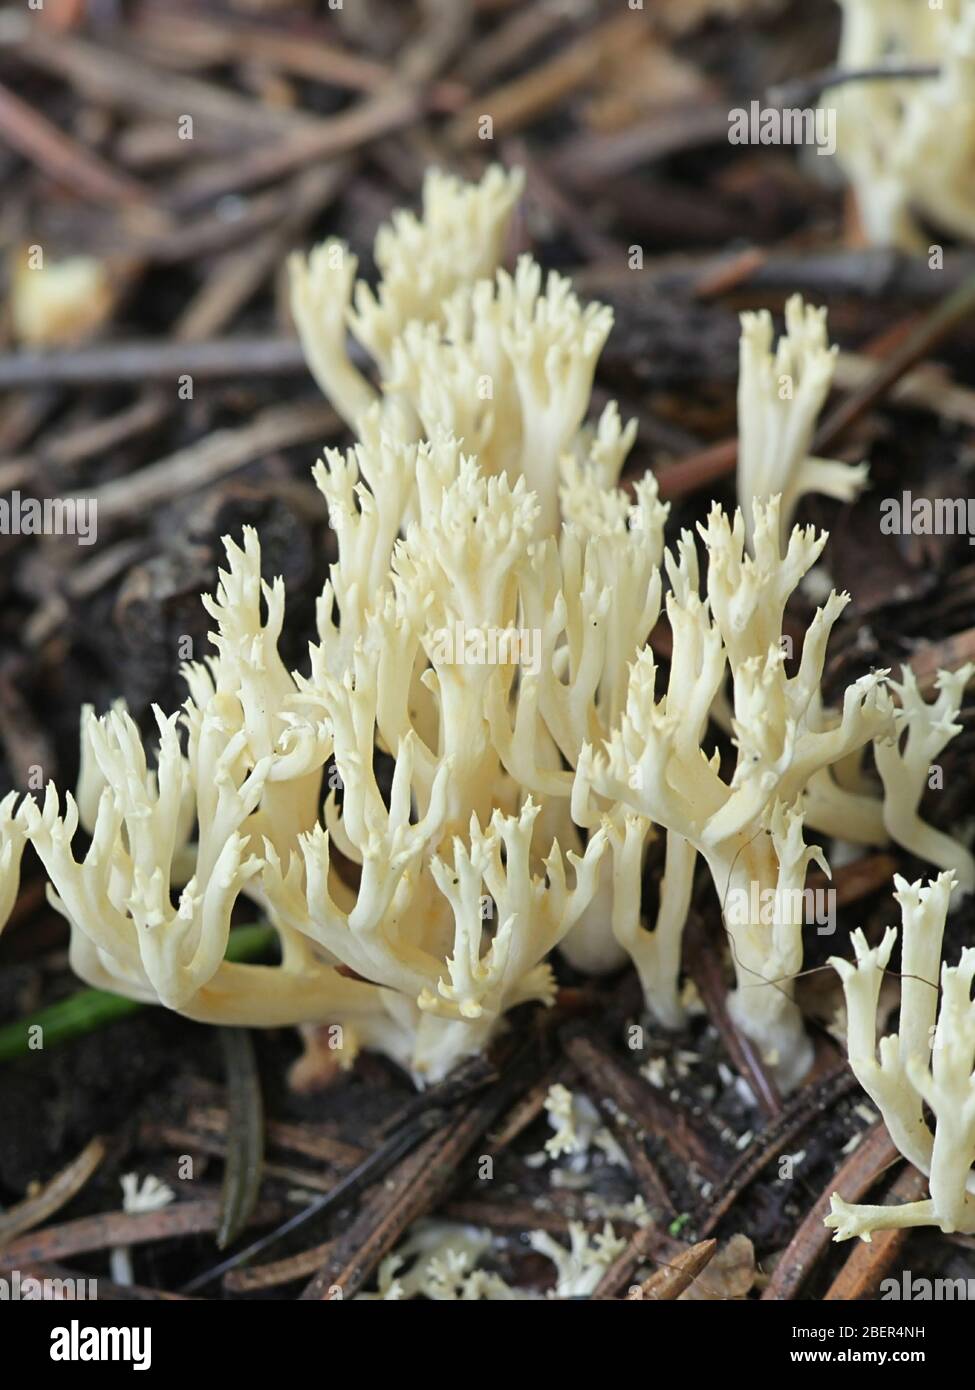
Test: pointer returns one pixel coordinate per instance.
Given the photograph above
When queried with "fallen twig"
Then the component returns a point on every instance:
(947, 655)
(297, 1138)
(112, 1228)
(612, 1086)
(374, 116)
(953, 310)
(803, 1110)
(858, 879)
(670, 1281)
(53, 1195)
(219, 453)
(706, 972)
(529, 96)
(140, 361)
(417, 1185)
(230, 39)
(277, 1272)
(854, 1178)
(64, 158)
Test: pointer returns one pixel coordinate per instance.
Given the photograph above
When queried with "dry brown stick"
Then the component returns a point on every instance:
(448, 23)
(876, 273)
(124, 1228)
(705, 970)
(376, 115)
(298, 1138)
(156, 360)
(929, 386)
(610, 1084)
(854, 1178)
(153, 143)
(508, 1215)
(70, 447)
(214, 456)
(226, 39)
(274, 1273)
(803, 91)
(730, 273)
(953, 310)
(528, 1107)
(63, 158)
(105, 565)
(114, 78)
(649, 1181)
(587, 162)
(184, 1139)
(525, 98)
(239, 275)
(867, 1264)
(53, 1195)
(670, 1281)
(803, 1109)
(416, 1185)
(513, 39)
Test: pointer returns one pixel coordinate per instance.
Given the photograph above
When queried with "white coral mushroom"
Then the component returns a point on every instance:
(503, 362)
(924, 1063)
(891, 133)
(922, 732)
(580, 1267)
(457, 239)
(779, 400)
(748, 828)
(12, 840)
